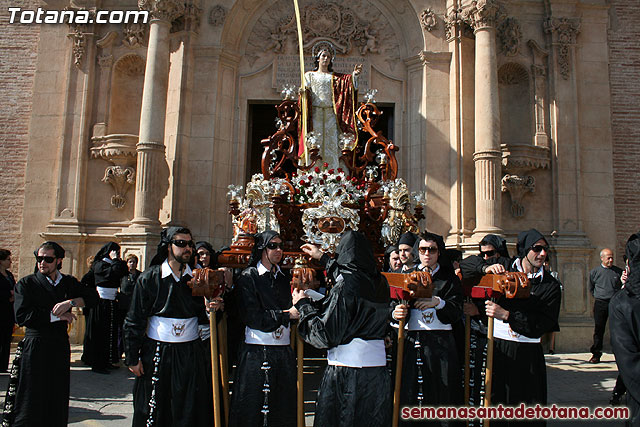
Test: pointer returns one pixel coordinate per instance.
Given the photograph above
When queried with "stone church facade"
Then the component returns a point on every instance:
(508, 114)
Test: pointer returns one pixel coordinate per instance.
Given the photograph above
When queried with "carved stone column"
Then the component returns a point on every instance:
(150, 147)
(482, 16)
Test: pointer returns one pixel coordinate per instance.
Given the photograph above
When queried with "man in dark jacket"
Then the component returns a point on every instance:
(604, 281)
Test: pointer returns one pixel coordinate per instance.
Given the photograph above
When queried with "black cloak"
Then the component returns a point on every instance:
(356, 307)
(624, 314)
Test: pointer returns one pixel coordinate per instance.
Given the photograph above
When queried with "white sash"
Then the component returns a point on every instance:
(107, 293)
(358, 353)
(281, 336)
(167, 329)
(503, 331)
(426, 320)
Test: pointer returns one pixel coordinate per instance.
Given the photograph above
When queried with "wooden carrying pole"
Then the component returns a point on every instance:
(215, 374)
(398, 379)
(489, 369)
(467, 358)
(224, 370)
(300, 395)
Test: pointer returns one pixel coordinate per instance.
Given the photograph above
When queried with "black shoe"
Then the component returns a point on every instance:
(100, 370)
(615, 399)
(594, 359)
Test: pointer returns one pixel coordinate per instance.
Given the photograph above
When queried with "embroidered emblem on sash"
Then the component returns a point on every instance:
(427, 316)
(178, 329)
(277, 334)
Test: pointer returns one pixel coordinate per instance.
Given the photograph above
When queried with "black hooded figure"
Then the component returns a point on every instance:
(101, 336)
(519, 371)
(161, 331)
(264, 386)
(624, 315)
(407, 239)
(38, 389)
(472, 269)
(431, 373)
(351, 323)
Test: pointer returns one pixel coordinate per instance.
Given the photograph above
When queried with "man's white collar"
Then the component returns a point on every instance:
(538, 274)
(166, 271)
(58, 278)
(262, 269)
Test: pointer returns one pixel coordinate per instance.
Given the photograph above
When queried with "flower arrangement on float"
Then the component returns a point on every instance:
(311, 186)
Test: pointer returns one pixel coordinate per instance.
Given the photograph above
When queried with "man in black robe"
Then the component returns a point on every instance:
(624, 314)
(162, 343)
(264, 388)
(38, 392)
(519, 370)
(408, 257)
(101, 350)
(351, 323)
(493, 250)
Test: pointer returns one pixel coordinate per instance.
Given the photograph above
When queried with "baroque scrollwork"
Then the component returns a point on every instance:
(517, 187)
(510, 34)
(355, 28)
(428, 19)
(120, 178)
(134, 35)
(565, 32)
(78, 35)
(217, 15)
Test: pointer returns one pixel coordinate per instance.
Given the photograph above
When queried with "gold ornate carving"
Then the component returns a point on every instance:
(565, 32)
(517, 187)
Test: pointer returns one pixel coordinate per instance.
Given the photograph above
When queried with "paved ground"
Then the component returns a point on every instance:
(105, 400)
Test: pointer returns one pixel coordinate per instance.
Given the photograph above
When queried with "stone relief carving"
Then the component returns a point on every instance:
(165, 10)
(456, 18)
(189, 20)
(134, 35)
(356, 29)
(517, 187)
(428, 20)
(510, 34)
(565, 32)
(131, 65)
(120, 151)
(539, 72)
(217, 15)
(78, 35)
(512, 74)
(105, 61)
(483, 13)
(120, 178)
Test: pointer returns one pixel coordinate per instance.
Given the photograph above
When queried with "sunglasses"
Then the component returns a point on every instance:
(487, 253)
(183, 243)
(539, 248)
(47, 259)
(274, 245)
(424, 249)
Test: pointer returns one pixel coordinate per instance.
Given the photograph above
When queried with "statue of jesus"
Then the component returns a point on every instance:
(331, 112)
